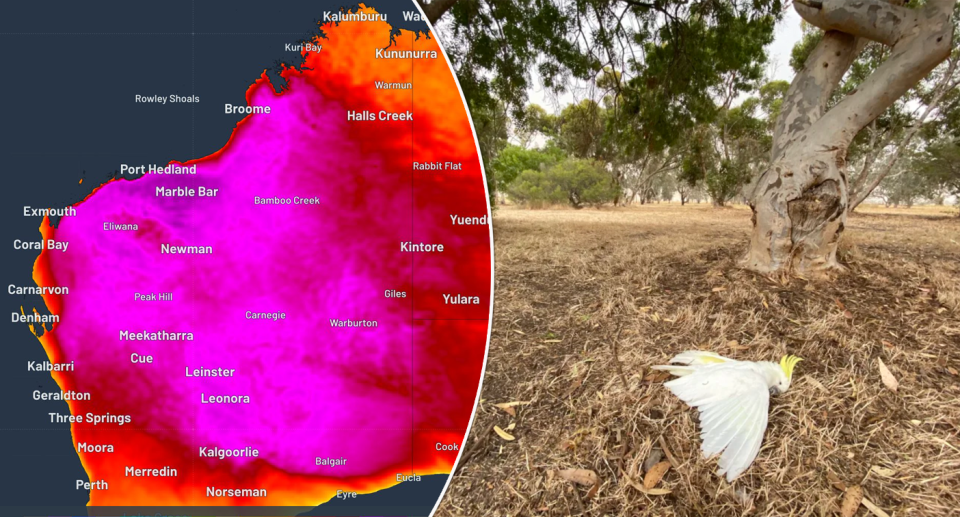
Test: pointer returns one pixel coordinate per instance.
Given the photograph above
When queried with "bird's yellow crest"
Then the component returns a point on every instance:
(787, 363)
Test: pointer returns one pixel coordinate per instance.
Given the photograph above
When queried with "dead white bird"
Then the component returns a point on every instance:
(733, 398)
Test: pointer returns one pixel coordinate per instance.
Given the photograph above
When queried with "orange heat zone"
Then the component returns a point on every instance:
(344, 70)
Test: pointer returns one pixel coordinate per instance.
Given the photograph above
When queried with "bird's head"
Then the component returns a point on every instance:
(784, 374)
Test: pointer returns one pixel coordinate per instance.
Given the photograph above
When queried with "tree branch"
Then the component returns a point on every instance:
(945, 85)
(807, 97)
(912, 58)
(436, 8)
(856, 182)
(876, 20)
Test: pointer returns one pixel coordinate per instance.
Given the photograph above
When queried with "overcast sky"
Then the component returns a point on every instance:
(788, 32)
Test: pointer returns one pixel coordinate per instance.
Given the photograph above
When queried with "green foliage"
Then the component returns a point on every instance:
(581, 129)
(585, 182)
(939, 167)
(576, 181)
(771, 100)
(675, 89)
(535, 120)
(490, 123)
(700, 157)
(725, 182)
(724, 156)
(514, 159)
(534, 189)
(660, 65)
(802, 50)
(901, 189)
(494, 44)
(948, 123)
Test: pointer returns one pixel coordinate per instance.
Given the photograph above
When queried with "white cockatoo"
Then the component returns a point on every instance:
(733, 397)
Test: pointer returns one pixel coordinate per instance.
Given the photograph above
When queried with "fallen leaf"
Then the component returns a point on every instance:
(839, 304)
(510, 407)
(836, 481)
(735, 345)
(503, 434)
(580, 476)
(851, 501)
(641, 488)
(655, 474)
(881, 471)
(848, 315)
(888, 379)
(952, 370)
(873, 508)
(513, 403)
(512, 426)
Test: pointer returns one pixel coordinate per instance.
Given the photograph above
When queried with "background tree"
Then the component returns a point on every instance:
(579, 182)
(939, 166)
(666, 59)
(889, 137)
(490, 122)
(514, 159)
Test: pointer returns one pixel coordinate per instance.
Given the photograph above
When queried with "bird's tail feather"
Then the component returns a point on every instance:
(675, 369)
(698, 357)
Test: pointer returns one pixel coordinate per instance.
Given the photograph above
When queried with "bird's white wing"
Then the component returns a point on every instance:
(733, 401)
(695, 357)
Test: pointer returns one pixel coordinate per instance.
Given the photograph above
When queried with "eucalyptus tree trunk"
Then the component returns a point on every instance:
(800, 201)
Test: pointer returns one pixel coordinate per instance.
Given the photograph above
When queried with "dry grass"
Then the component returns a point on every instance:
(666, 277)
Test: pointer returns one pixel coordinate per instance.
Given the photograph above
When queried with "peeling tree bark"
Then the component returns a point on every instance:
(800, 202)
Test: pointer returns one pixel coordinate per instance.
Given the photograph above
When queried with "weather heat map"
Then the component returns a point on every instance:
(297, 319)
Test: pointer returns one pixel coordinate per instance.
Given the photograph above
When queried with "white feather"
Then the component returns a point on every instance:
(733, 400)
(695, 357)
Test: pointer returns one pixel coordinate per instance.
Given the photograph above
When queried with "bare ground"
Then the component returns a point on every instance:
(665, 279)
